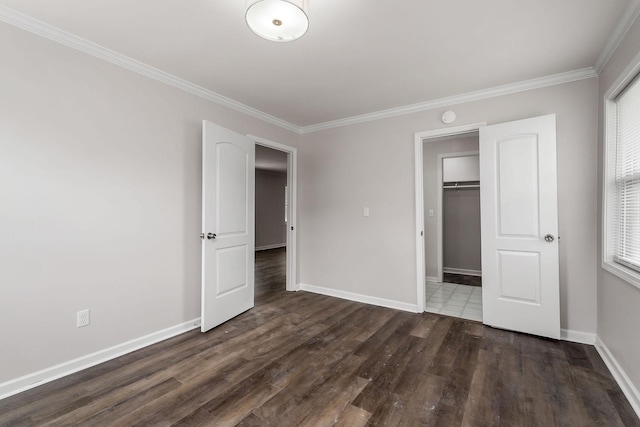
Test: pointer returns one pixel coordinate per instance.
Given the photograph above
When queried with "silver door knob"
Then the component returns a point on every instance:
(549, 238)
(211, 236)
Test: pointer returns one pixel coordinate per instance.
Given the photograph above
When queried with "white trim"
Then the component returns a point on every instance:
(552, 80)
(268, 247)
(439, 220)
(566, 335)
(623, 380)
(619, 270)
(273, 144)
(451, 131)
(420, 252)
(44, 376)
(462, 271)
(419, 139)
(431, 279)
(577, 336)
(57, 35)
(622, 27)
(608, 132)
(398, 305)
(292, 215)
(624, 78)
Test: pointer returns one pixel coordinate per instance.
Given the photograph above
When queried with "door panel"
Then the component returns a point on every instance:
(232, 266)
(518, 208)
(519, 276)
(232, 174)
(517, 160)
(228, 256)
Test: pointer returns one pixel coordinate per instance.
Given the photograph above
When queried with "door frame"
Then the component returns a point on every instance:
(419, 139)
(292, 184)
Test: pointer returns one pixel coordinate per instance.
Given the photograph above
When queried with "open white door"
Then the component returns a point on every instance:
(520, 277)
(228, 188)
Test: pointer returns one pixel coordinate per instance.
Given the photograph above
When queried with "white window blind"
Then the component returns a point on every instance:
(626, 203)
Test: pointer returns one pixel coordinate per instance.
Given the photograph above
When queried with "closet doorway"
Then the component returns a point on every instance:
(451, 185)
(520, 263)
(456, 290)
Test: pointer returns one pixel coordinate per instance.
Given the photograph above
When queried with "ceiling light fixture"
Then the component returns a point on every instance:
(278, 20)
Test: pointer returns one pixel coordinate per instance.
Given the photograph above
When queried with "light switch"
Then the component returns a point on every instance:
(430, 212)
(365, 212)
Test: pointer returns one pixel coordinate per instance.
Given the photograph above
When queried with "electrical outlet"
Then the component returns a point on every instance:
(83, 318)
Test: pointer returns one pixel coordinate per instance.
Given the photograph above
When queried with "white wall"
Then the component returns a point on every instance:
(270, 226)
(461, 229)
(618, 301)
(100, 202)
(461, 169)
(372, 164)
(100, 192)
(431, 149)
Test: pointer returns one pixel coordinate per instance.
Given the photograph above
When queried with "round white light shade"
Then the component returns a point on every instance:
(278, 20)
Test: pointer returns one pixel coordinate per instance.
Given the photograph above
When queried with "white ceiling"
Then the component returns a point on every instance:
(358, 57)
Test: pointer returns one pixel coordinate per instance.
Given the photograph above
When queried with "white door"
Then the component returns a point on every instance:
(519, 215)
(228, 188)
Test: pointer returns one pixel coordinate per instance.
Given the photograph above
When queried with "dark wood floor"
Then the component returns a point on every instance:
(305, 359)
(462, 279)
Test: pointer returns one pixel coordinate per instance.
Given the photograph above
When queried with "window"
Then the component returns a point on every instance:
(622, 186)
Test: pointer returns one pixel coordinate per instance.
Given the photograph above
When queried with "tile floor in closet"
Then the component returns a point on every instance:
(454, 300)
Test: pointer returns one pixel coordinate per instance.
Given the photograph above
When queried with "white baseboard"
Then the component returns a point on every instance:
(462, 271)
(44, 376)
(398, 305)
(267, 247)
(628, 388)
(577, 336)
(431, 279)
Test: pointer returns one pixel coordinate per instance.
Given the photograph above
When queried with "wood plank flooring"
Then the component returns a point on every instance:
(312, 360)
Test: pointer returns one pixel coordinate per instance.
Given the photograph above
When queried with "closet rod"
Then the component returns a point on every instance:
(456, 186)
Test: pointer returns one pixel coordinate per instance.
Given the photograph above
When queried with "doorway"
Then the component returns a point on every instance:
(275, 211)
(270, 222)
(228, 222)
(451, 188)
(426, 224)
(520, 264)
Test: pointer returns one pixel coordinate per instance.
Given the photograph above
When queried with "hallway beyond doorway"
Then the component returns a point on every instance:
(270, 274)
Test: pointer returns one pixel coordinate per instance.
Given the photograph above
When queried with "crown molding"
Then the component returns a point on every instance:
(629, 15)
(57, 35)
(555, 79)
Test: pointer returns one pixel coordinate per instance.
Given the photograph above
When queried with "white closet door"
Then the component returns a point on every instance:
(519, 213)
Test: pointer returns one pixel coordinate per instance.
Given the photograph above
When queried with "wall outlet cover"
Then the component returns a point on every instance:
(82, 318)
